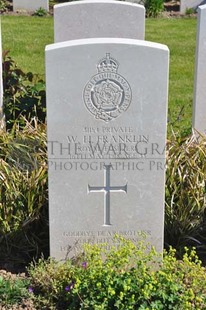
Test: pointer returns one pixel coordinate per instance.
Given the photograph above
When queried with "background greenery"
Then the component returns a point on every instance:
(26, 37)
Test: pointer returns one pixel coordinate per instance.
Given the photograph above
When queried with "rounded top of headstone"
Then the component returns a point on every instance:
(125, 3)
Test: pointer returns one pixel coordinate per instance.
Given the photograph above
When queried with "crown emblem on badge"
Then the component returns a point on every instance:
(107, 94)
(108, 64)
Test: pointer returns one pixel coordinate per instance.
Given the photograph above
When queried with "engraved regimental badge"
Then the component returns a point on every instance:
(107, 94)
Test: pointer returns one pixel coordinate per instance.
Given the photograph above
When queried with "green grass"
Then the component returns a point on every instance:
(26, 38)
(179, 34)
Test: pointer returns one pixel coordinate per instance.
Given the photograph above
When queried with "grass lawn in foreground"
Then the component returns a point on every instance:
(26, 38)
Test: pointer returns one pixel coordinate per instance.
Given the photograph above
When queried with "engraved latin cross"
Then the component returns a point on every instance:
(107, 189)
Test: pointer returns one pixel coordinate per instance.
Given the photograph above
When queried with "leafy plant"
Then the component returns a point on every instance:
(153, 7)
(12, 291)
(40, 12)
(125, 277)
(3, 6)
(23, 192)
(185, 221)
(189, 11)
(24, 94)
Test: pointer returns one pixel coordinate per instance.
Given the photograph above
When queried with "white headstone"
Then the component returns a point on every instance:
(190, 4)
(30, 5)
(199, 102)
(107, 111)
(100, 19)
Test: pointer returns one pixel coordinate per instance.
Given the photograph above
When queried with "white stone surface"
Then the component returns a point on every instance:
(199, 102)
(30, 5)
(187, 4)
(100, 19)
(106, 105)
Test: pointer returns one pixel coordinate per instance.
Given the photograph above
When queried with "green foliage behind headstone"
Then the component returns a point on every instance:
(24, 94)
(23, 193)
